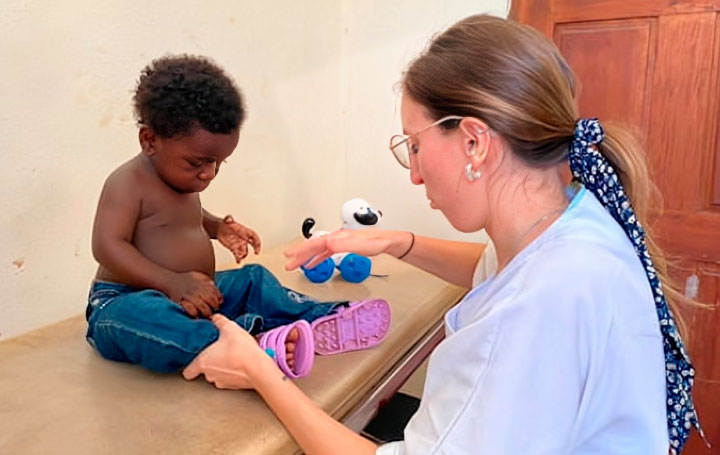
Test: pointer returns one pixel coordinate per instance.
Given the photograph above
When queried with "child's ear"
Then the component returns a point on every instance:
(147, 139)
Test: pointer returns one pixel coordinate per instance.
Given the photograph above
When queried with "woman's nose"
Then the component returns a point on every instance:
(415, 177)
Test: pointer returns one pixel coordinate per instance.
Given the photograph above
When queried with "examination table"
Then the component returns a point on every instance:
(58, 396)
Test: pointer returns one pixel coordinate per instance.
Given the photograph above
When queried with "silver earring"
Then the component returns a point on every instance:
(470, 174)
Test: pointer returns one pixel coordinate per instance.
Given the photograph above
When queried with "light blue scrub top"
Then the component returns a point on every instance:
(559, 353)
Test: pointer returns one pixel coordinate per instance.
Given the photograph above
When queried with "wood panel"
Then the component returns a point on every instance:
(693, 235)
(701, 280)
(613, 60)
(541, 12)
(676, 103)
(680, 127)
(715, 179)
(581, 10)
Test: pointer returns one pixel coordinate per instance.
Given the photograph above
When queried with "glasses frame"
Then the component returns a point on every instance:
(399, 139)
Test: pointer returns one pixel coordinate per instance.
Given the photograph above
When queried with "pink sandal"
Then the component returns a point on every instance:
(304, 348)
(361, 325)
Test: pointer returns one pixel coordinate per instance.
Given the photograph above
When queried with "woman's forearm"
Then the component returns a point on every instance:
(450, 260)
(316, 432)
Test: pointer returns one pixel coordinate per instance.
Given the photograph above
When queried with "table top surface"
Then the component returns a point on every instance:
(57, 395)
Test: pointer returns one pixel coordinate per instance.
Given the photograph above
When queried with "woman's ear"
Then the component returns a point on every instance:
(476, 139)
(147, 139)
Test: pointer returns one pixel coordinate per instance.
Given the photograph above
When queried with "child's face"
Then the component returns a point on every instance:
(188, 163)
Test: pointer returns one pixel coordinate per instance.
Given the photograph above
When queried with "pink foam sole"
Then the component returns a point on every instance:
(362, 325)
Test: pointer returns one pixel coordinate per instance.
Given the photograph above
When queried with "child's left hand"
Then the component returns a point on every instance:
(236, 237)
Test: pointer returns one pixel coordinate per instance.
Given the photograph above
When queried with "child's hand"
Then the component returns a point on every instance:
(196, 293)
(236, 237)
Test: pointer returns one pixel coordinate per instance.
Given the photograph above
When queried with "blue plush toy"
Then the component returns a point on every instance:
(356, 214)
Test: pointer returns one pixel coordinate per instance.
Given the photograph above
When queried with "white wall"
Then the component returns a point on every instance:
(318, 79)
(69, 69)
(379, 39)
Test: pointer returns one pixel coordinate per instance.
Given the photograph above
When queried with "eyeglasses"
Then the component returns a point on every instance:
(402, 154)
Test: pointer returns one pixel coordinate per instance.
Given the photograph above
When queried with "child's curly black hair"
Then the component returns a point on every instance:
(177, 93)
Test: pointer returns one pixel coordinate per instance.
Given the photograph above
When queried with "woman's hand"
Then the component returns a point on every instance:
(365, 242)
(228, 363)
(235, 361)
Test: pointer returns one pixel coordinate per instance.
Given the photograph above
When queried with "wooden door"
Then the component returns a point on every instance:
(653, 65)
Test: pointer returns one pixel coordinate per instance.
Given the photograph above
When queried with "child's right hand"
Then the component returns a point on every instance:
(196, 293)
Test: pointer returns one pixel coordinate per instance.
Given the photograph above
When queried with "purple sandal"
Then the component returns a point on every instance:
(304, 348)
(361, 325)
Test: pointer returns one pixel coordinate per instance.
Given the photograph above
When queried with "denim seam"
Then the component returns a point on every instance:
(142, 335)
(102, 305)
(103, 292)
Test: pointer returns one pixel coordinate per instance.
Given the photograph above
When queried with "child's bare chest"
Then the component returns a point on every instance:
(166, 211)
(170, 233)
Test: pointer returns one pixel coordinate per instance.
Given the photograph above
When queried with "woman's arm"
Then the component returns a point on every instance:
(452, 261)
(314, 430)
(235, 361)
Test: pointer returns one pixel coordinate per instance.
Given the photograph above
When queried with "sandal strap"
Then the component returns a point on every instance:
(304, 347)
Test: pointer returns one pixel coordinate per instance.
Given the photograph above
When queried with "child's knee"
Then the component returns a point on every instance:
(251, 273)
(255, 269)
(103, 337)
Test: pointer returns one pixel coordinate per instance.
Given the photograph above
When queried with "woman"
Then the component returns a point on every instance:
(565, 341)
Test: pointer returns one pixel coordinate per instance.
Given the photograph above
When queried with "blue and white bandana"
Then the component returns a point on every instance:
(591, 168)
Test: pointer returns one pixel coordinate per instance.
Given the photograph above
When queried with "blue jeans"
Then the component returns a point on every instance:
(145, 327)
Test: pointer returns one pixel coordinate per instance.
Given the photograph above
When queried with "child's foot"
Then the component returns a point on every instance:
(292, 346)
(290, 342)
(361, 325)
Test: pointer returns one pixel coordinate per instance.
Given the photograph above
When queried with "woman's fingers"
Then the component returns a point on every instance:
(301, 254)
(192, 371)
(219, 320)
(366, 242)
(317, 260)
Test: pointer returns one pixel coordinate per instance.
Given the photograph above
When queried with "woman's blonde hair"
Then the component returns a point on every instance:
(513, 78)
